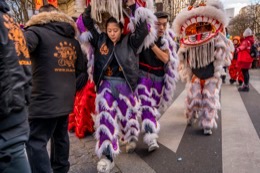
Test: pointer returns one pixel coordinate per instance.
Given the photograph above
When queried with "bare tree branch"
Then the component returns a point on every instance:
(249, 17)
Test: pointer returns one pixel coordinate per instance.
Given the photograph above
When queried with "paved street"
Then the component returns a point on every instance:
(234, 147)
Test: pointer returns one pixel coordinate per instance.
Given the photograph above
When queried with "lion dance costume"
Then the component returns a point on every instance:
(117, 107)
(156, 86)
(203, 53)
(80, 120)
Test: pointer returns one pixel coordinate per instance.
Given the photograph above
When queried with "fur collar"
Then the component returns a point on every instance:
(48, 17)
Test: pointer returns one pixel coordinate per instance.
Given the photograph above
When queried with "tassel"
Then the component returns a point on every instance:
(201, 56)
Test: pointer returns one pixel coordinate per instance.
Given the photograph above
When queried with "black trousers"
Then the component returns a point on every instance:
(41, 130)
(246, 76)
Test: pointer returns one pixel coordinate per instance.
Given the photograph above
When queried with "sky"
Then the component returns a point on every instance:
(237, 4)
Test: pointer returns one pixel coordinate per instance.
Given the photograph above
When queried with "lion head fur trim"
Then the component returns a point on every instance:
(212, 11)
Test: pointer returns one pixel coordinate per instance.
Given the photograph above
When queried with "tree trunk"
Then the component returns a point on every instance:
(24, 11)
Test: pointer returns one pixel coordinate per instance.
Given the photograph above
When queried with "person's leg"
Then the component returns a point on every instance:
(246, 74)
(150, 125)
(193, 101)
(19, 161)
(41, 131)
(224, 74)
(232, 72)
(127, 112)
(245, 87)
(210, 105)
(60, 146)
(107, 130)
(240, 76)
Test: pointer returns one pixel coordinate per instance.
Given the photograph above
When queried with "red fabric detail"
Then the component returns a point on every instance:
(202, 82)
(235, 72)
(126, 30)
(150, 67)
(80, 119)
(88, 2)
(141, 3)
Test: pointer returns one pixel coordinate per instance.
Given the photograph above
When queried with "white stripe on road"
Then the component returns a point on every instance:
(255, 79)
(240, 142)
(256, 85)
(173, 124)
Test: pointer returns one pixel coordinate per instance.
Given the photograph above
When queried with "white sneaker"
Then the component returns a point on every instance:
(152, 145)
(122, 143)
(207, 132)
(105, 166)
(130, 147)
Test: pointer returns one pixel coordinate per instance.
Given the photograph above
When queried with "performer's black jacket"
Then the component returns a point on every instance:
(56, 59)
(14, 85)
(150, 63)
(125, 51)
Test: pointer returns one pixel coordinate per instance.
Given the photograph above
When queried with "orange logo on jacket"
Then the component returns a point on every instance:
(66, 54)
(104, 49)
(15, 34)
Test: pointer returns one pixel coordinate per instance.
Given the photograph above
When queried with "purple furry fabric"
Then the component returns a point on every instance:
(80, 24)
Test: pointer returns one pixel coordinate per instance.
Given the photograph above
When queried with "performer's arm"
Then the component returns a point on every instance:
(160, 54)
(32, 39)
(81, 69)
(141, 30)
(89, 24)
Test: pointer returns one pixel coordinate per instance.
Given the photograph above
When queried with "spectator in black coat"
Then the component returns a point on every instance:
(56, 61)
(14, 93)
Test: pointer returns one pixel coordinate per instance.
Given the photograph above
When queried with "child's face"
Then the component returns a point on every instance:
(114, 32)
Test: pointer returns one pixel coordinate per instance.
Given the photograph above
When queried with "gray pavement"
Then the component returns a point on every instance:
(233, 147)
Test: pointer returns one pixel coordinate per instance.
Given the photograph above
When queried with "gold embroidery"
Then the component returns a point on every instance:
(109, 71)
(66, 54)
(25, 62)
(15, 34)
(104, 49)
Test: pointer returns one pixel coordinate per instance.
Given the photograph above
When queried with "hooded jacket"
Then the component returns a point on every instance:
(14, 81)
(56, 60)
(14, 66)
(244, 59)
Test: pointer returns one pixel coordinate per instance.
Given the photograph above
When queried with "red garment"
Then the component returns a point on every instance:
(141, 3)
(235, 72)
(244, 60)
(80, 120)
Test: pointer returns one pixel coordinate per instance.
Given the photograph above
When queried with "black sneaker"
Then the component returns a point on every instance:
(243, 89)
(231, 81)
(240, 83)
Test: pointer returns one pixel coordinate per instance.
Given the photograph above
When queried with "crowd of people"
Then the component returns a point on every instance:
(59, 75)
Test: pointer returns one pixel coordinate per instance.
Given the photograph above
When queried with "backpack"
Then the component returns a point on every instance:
(253, 51)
